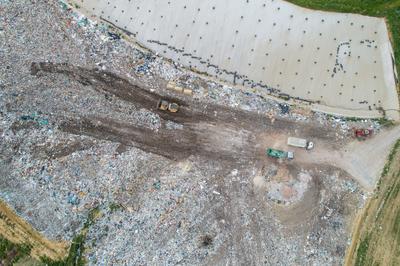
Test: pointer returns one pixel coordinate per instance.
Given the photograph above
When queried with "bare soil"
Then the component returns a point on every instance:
(17, 230)
(217, 132)
(208, 129)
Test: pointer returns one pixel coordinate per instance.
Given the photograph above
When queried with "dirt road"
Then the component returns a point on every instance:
(376, 231)
(363, 160)
(217, 132)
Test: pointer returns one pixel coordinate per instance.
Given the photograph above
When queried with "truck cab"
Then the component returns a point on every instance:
(310, 145)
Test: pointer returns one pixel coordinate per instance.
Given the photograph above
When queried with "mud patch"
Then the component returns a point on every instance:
(284, 184)
(61, 149)
(289, 189)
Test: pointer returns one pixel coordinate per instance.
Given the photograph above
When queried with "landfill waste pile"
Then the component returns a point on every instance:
(80, 130)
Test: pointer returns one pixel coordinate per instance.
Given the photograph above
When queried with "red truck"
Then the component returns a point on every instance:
(363, 133)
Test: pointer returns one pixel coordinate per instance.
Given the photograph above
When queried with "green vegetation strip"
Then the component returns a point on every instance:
(362, 250)
(390, 159)
(75, 256)
(390, 9)
(381, 222)
(12, 253)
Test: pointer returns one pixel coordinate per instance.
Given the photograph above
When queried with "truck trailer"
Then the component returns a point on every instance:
(300, 143)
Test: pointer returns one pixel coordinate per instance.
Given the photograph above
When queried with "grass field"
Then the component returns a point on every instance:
(376, 234)
(390, 9)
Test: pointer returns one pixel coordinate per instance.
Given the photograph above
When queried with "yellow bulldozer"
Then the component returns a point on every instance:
(165, 105)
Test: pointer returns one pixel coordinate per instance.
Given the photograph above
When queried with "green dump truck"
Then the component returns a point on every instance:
(280, 154)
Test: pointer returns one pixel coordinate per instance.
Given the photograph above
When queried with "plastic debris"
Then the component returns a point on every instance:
(73, 199)
(157, 185)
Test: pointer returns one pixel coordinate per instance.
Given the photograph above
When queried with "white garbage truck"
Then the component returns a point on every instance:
(300, 143)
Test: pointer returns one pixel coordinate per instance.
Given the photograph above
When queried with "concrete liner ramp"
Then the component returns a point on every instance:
(340, 62)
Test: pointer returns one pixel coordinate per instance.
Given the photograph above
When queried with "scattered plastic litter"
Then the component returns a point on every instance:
(34, 117)
(114, 36)
(157, 185)
(284, 108)
(73, 199)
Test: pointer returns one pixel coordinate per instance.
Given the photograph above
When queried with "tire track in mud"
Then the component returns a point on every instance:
(211, 141)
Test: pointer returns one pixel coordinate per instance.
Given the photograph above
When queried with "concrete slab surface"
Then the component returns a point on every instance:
(335, 60)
